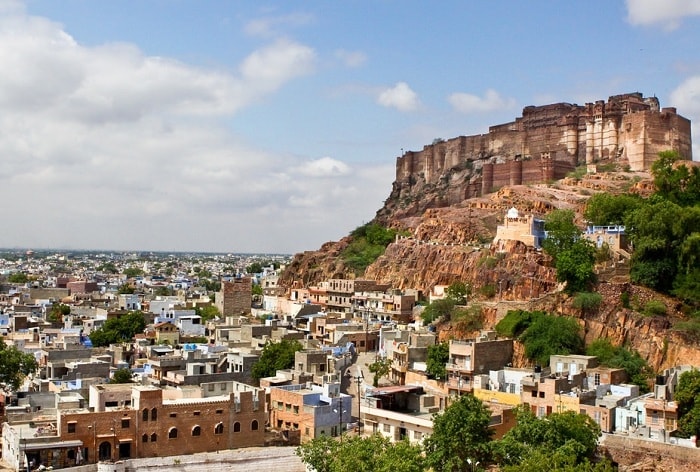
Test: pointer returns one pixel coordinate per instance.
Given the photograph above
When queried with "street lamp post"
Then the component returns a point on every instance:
(358, 381)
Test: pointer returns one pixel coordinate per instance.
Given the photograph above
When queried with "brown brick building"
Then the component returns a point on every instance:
(235, 297)
(139, 422)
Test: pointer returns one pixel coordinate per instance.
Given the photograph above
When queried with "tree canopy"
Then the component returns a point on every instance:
(460, 434)
(638, 370)
(380, 368)
(438, 355)
(357, 453)
(15, 365)
(549, 335)
(116, 330)
(688, 398)
(275, 356)
(458, 292)
(368, 243)
(121, 376)
(568, 439)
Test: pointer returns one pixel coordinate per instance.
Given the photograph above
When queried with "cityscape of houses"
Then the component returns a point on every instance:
(193, 389)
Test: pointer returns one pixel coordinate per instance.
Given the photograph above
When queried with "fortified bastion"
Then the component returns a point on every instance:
(545, 144)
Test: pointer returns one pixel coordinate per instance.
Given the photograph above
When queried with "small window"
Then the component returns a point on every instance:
(172, 434)
(219, 412)
(417, 435)
(71, 427)
(236, 427)
(196, 431)
(210, 387)
(144, 438)
(387, 428)
(173, 415)
(254, 425)
(197, 413)
(296, 409)
(219, 429)
(154, 437)
(144, 415)
(541, 394)
(154, 414)
(125, 423)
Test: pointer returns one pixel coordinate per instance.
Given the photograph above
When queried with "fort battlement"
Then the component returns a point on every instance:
(549, 141)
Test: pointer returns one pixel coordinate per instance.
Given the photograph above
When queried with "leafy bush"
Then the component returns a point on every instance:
(437, 309)
(654, 308)
(578, 173)
(369, 242)
(549, 335)
(625, 299)
(608, 355)
(516, 322)
(468, 319)
(587, 301)
(488, 290)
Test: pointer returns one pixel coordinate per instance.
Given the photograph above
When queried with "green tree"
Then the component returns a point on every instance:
(679, 184)
(121, 376)
(125, 289)
(207, 312)
(275, 356)
(561, 232)
(575, 266)
(380, 368)
(254, 268)
(362, 454)
(15, 365)
(607, 209)
(438, 355)
(117, 330)
(132, 272)
(438, 309)
(18, 278)
(657, 230)
(57, 312)
(516, 322)
(619, 357)
(549, 335)
(688, 398)
(460, 433)
(570, 438)
(458, 292)
(256, 289)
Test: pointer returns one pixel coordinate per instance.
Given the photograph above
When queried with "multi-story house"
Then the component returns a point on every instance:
(136, 422)
(311, 409)
(474, 357)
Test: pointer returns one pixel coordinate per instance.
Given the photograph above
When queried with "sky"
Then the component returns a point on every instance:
(274, 126)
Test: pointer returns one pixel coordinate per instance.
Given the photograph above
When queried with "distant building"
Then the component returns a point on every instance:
(526, 229)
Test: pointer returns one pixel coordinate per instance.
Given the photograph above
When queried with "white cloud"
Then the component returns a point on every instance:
(324, 167)
(468, 103)
(106, 147)
(270, 26)
(686, 97)
(351, 58)
(400, 96)
(668, 12)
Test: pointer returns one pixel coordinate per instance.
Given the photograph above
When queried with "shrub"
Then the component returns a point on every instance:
(488, 290)
(625, 299)
(587, 301)
(654, 308)
(468, 319)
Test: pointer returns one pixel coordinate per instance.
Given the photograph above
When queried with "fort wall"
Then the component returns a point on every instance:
(549, 141)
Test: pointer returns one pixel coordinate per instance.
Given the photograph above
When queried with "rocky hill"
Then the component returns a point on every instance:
(448, 244)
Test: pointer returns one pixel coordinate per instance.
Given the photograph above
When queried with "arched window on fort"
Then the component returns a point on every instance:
(154, 414)
(219, 428)
(254, 425)
(172, 433)
(196, 431)
(236, 427)
(144, 438)
(154, 437)
(144, 416)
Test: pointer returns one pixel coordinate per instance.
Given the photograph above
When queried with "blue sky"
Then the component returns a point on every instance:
(234, 126)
